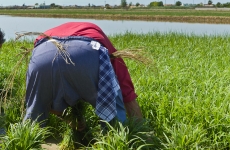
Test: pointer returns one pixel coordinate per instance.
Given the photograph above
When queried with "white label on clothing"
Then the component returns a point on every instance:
(95, 45)
(52, 40)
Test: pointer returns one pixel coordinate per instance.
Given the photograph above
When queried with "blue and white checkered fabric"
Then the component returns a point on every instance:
(107, 88)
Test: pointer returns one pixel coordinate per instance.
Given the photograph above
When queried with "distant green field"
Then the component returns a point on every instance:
(129, 12)
(184, 94)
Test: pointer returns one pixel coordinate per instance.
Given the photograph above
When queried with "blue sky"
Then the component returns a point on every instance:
(96, 2)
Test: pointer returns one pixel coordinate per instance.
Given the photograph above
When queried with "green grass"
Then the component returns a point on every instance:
(184, 96)
(13, 93)
(24, 136)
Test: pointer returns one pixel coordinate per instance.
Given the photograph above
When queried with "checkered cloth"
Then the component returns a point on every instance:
(107, 88)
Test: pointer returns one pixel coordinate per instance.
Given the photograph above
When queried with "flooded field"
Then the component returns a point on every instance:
(10, 25)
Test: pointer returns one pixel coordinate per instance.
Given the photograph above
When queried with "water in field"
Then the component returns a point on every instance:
(10, 25)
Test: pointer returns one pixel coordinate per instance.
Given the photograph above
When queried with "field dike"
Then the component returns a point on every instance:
(192, 19)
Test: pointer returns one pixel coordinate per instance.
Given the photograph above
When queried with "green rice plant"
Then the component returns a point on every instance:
(190, 87)
(57, 126)
(24, 136)
(12, 112)
(143, 129)
(72, 136)
(118, 137)
(13, 69)
(185, 136)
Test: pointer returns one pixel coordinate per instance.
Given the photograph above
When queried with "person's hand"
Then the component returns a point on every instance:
(133, 110)
(81, 124)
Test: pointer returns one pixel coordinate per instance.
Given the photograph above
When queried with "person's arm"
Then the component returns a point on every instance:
(123, 77)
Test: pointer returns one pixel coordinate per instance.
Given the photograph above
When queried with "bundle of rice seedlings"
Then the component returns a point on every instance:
(68, 142)
(118, 137)
(71, 139)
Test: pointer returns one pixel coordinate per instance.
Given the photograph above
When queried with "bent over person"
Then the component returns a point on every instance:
(74, 64)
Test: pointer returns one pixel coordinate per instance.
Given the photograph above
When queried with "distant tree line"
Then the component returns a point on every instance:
(125, 5)
(218, 4)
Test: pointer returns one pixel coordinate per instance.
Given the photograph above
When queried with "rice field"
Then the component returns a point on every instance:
(184, 96)
(175, 15)
(130, 12)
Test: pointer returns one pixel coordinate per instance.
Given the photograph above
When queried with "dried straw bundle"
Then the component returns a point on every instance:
(22, 34)
(135, 54)
(61, 50)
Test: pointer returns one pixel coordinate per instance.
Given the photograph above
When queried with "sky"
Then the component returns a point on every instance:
(97, 2)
